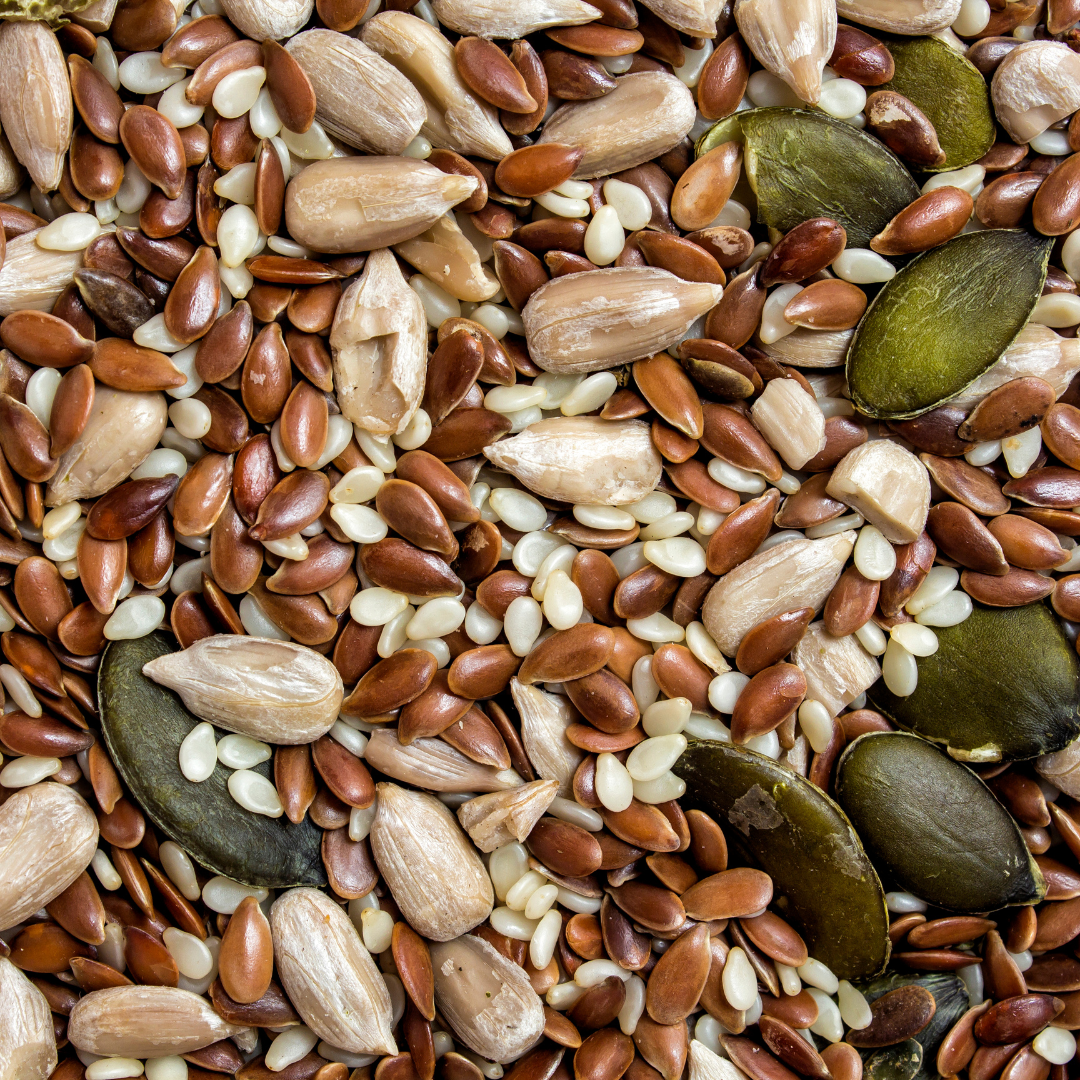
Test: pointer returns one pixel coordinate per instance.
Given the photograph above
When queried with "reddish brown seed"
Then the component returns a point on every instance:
(487, 70)
(723, 79)
(897, 1015)
(1009, 410)
(769, 642)
(729, 894)
(290, 89)
(152, 140)
(532, 170)
(766, 701)
(269, 185)
(1016, 1019)
(678, 979)
(806, 249)
(930, 220)
(246, 962)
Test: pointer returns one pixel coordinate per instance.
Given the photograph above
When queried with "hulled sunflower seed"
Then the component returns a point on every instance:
(544, 720)
(329, 974)
(589, 322)
(486, 998)
(493, 19)
(27, 1042)
(793, 41)
(145, 1021)
(502, 816)
(379, 344)
(361, 99)
(582, 459)
(430, 867)
(275, 691)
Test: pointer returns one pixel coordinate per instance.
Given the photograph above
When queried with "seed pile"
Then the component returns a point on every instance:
(539, 539)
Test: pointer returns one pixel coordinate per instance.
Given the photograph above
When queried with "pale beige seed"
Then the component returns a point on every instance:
(48, 835)
(1062, 769)
(433, 764)
(35, 100)
(498, 19)
(379, 346)
(502, 816)
(445, 255)
(97, 16)
(456, 118)
(599, 319)
(807, 348)
(11, 172)
(276, 691)
(27, 1043)
(795, 574)
(362, 203)
(265, 19)
(705, 1065)
(694, 17)
(582, 459)
(910, 17)
(1038, 351)
(145, 1021)
(1034, 86)
(362, 99)
(544, 720)
(791, 38)
(122, 430)
(428, 863)
(329, 976)
(31, 277)
(791, 420)
(837, 670)
(646, 115)
(888, 485)
(486, 998)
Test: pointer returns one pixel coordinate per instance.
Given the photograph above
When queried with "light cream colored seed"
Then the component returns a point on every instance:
(793, 43)
(198, 753)
(899, 669)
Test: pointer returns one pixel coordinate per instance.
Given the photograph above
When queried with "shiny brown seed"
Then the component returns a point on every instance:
(676, 982)
(568, 654)
(486, 70)
(804, 251)
(343, 773)
(722, 83)
(642, 826)
(705, 186)
(71, 408)
(903, 127)
(202, 495)
(98, 103)
(246, 961)
(664, 384)
(730, 435)
(792, 1049)
(392, 683)
(396, 564)
(966, 484)
(123, 365)
(24, 441)
(304, 423)
(851, 603)
(194, 299)
(913, 563)
(290, 89)
(101, 565)
(728, 894)
(741, 533)
(524, 58)
(766, 701)
(44, 340)
(153, 142)
(164, 257)
(452, 370)
(960, 535)
(678, 255)
(533, 170)
(1010, 409)
(930, 220)
(432, 711)
(197, 41)
(269, 186)
(769, 642)
(1016, 1019)
(897, 1015)
(410, 511)
(1056, 207)
(564, 848)
(1003, 203)
(1027, 544)
(604, 1055)
(1052, 487)
(294, 503)
(575, 78)
(482, 672)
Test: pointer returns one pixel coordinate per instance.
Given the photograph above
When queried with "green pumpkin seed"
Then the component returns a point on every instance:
(933, 827)
(805, 165)
(144, 725)
(900, 1062)
(800, 837)
(944, 320)
(950, 91)
(1003, 685)
(727, 130)
(951, 997)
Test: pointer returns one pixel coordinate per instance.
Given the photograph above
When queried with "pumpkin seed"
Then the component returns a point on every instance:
(951, 997)
(144, 725)
(944, 320)
(932, 826)
(802, 839)
(805, 165)
(950, 91)
(1002, 686)
(900, 1062)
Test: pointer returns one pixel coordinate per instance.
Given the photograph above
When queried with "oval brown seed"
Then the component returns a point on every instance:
(1003, 203)
(930, 220)
(895, 1016)
(1056, 208)
(246, 960)
(410, 511)
(766, 701)
(903, 127)
(98, 103)
(564, 848)
(1010, 409)
(723, 79)
(193, 302)
(851, 603)
(71, 408)
(289, 87)
(678, 979)
(533, 170)
(728, 894)
(154, 143)
(803, 251)
(705, 186)
(123, 365)
(862, 58)
(568, 654)
(44, 340)
(486, 70)
(1015, 1019)
(769, 642)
